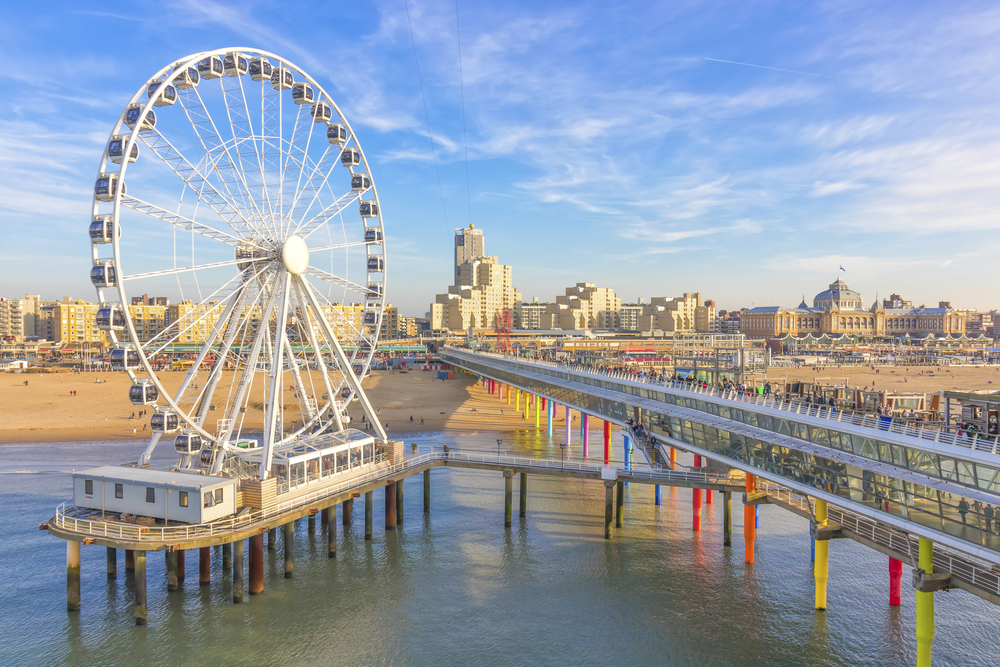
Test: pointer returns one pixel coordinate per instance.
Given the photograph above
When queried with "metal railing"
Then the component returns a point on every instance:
(78, 519)
(965, 567)
(948, 435)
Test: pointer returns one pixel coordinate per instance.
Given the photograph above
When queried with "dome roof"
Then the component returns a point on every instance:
(838, 291)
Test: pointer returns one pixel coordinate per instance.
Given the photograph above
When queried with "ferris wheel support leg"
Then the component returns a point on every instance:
(352, 379)
(274, 403)
(144, 459)
(319, 355)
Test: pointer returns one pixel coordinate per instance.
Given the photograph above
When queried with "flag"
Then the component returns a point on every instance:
(842, 268)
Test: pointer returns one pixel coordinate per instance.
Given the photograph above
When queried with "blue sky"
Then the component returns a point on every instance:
(746, 150)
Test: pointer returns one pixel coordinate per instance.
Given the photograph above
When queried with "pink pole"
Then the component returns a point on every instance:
(696, 500)
(569, 426)
(895, 579)
(607, 442)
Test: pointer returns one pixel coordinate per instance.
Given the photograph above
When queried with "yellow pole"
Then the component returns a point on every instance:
(517, 399)
(925, 607)
(534, 399)
(821, 569)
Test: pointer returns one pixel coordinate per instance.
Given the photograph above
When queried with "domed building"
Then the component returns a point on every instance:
(840, 311)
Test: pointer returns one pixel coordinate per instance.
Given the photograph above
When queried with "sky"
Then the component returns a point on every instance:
(746, 150)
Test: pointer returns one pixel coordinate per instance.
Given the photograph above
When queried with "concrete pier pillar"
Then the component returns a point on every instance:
(607, 442)
(204, 566)
(331, 532)
(895, 581)
(523, 495)
(112, 563)
(585, 428)
(368, 515)
(272, 539)
(657, 495)
(324, 516)
(238, 571)
(171, 558)
(925, 607)
(129, 560)
(346, 509)
(727, 519)
(140, 588)
(72, 575)
(508, 492)
(390, 505)
(609, 510)
(256, 564)
(749, 527)
(289, 549)
(427, 491)
(227, 555)
(311, 523)
(821, 568)
(620, 505)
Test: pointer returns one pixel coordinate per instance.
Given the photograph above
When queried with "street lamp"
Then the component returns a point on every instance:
(562, 446)
(499, 442)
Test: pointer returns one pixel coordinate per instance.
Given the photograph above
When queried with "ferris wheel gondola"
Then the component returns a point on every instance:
(238, 203)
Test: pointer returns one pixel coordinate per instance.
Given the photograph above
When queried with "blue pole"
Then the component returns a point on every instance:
(756, 516)
(628, 456)
(812, 544)
(657, 495)
(549, 407)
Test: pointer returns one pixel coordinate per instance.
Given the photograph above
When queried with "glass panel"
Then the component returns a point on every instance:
(922, 461)
(819, 435)
(988, 478)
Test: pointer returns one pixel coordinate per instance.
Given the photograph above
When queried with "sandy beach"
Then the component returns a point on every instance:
(45, 410)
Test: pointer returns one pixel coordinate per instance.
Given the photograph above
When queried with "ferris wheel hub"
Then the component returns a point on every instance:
(295, 255)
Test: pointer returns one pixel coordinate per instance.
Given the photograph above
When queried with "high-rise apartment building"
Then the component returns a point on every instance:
(583, 307)
(628, 315)
(469, 246)
(75, 323)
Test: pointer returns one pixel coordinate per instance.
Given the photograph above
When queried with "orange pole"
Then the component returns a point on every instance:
(749, 515)
(673, 459)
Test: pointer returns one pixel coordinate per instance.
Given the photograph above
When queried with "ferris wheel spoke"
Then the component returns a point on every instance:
(317, 179)
(310, 329)
(294, 162)
(192, 176)
(217, 154)
(185, 269)
(349, 323)
(341, 246)
(270, 144)
(333, 210)
(245, 145)
(339, 282)
(178, 220)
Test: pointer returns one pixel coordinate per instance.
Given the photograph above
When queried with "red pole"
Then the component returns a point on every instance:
(749, 527)
(607, 442)
(895, 579)
(696, 500)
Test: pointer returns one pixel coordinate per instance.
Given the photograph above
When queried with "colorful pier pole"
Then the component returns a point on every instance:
(517, 400)
(583, 425)
(925, 607)
(569, 426)
(657, 495)
(72, 575)
(140, 588)
(749, 529)
(585, 428)
(238, 571)
(821, 568)
(696, 501)
(508, 394)
(812, 544)
(289, 549)
(537, 418)
(551, 409)
(607, 442)
(895, 581)
(256, 564)
(673, 459)
(628, 455)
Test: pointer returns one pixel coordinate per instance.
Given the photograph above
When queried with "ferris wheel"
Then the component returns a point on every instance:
(247, 197)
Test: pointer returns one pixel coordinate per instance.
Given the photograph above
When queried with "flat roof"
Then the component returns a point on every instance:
(156, 478)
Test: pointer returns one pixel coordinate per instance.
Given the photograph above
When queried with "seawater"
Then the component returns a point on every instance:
(455, 587)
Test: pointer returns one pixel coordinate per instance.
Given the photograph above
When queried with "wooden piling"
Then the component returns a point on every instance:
(399, 502)
(523, 495)
(238, 571)
(311, 523)
(112, 563)
(72, 575)
(171, 558)
(390, 505)
(609, 502)
(180, 566)
(140, 588)
(204, 566)
(272, 539)
(727, 519)
(289, 549)
(368, 515)
(257, 564)
(346, 509)
(508, 489)
(331, 532)
(129, 560)
(227, 555)
(427, 491)
(620, 505)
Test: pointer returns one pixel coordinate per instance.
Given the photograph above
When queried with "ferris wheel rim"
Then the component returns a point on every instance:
(168, 75)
